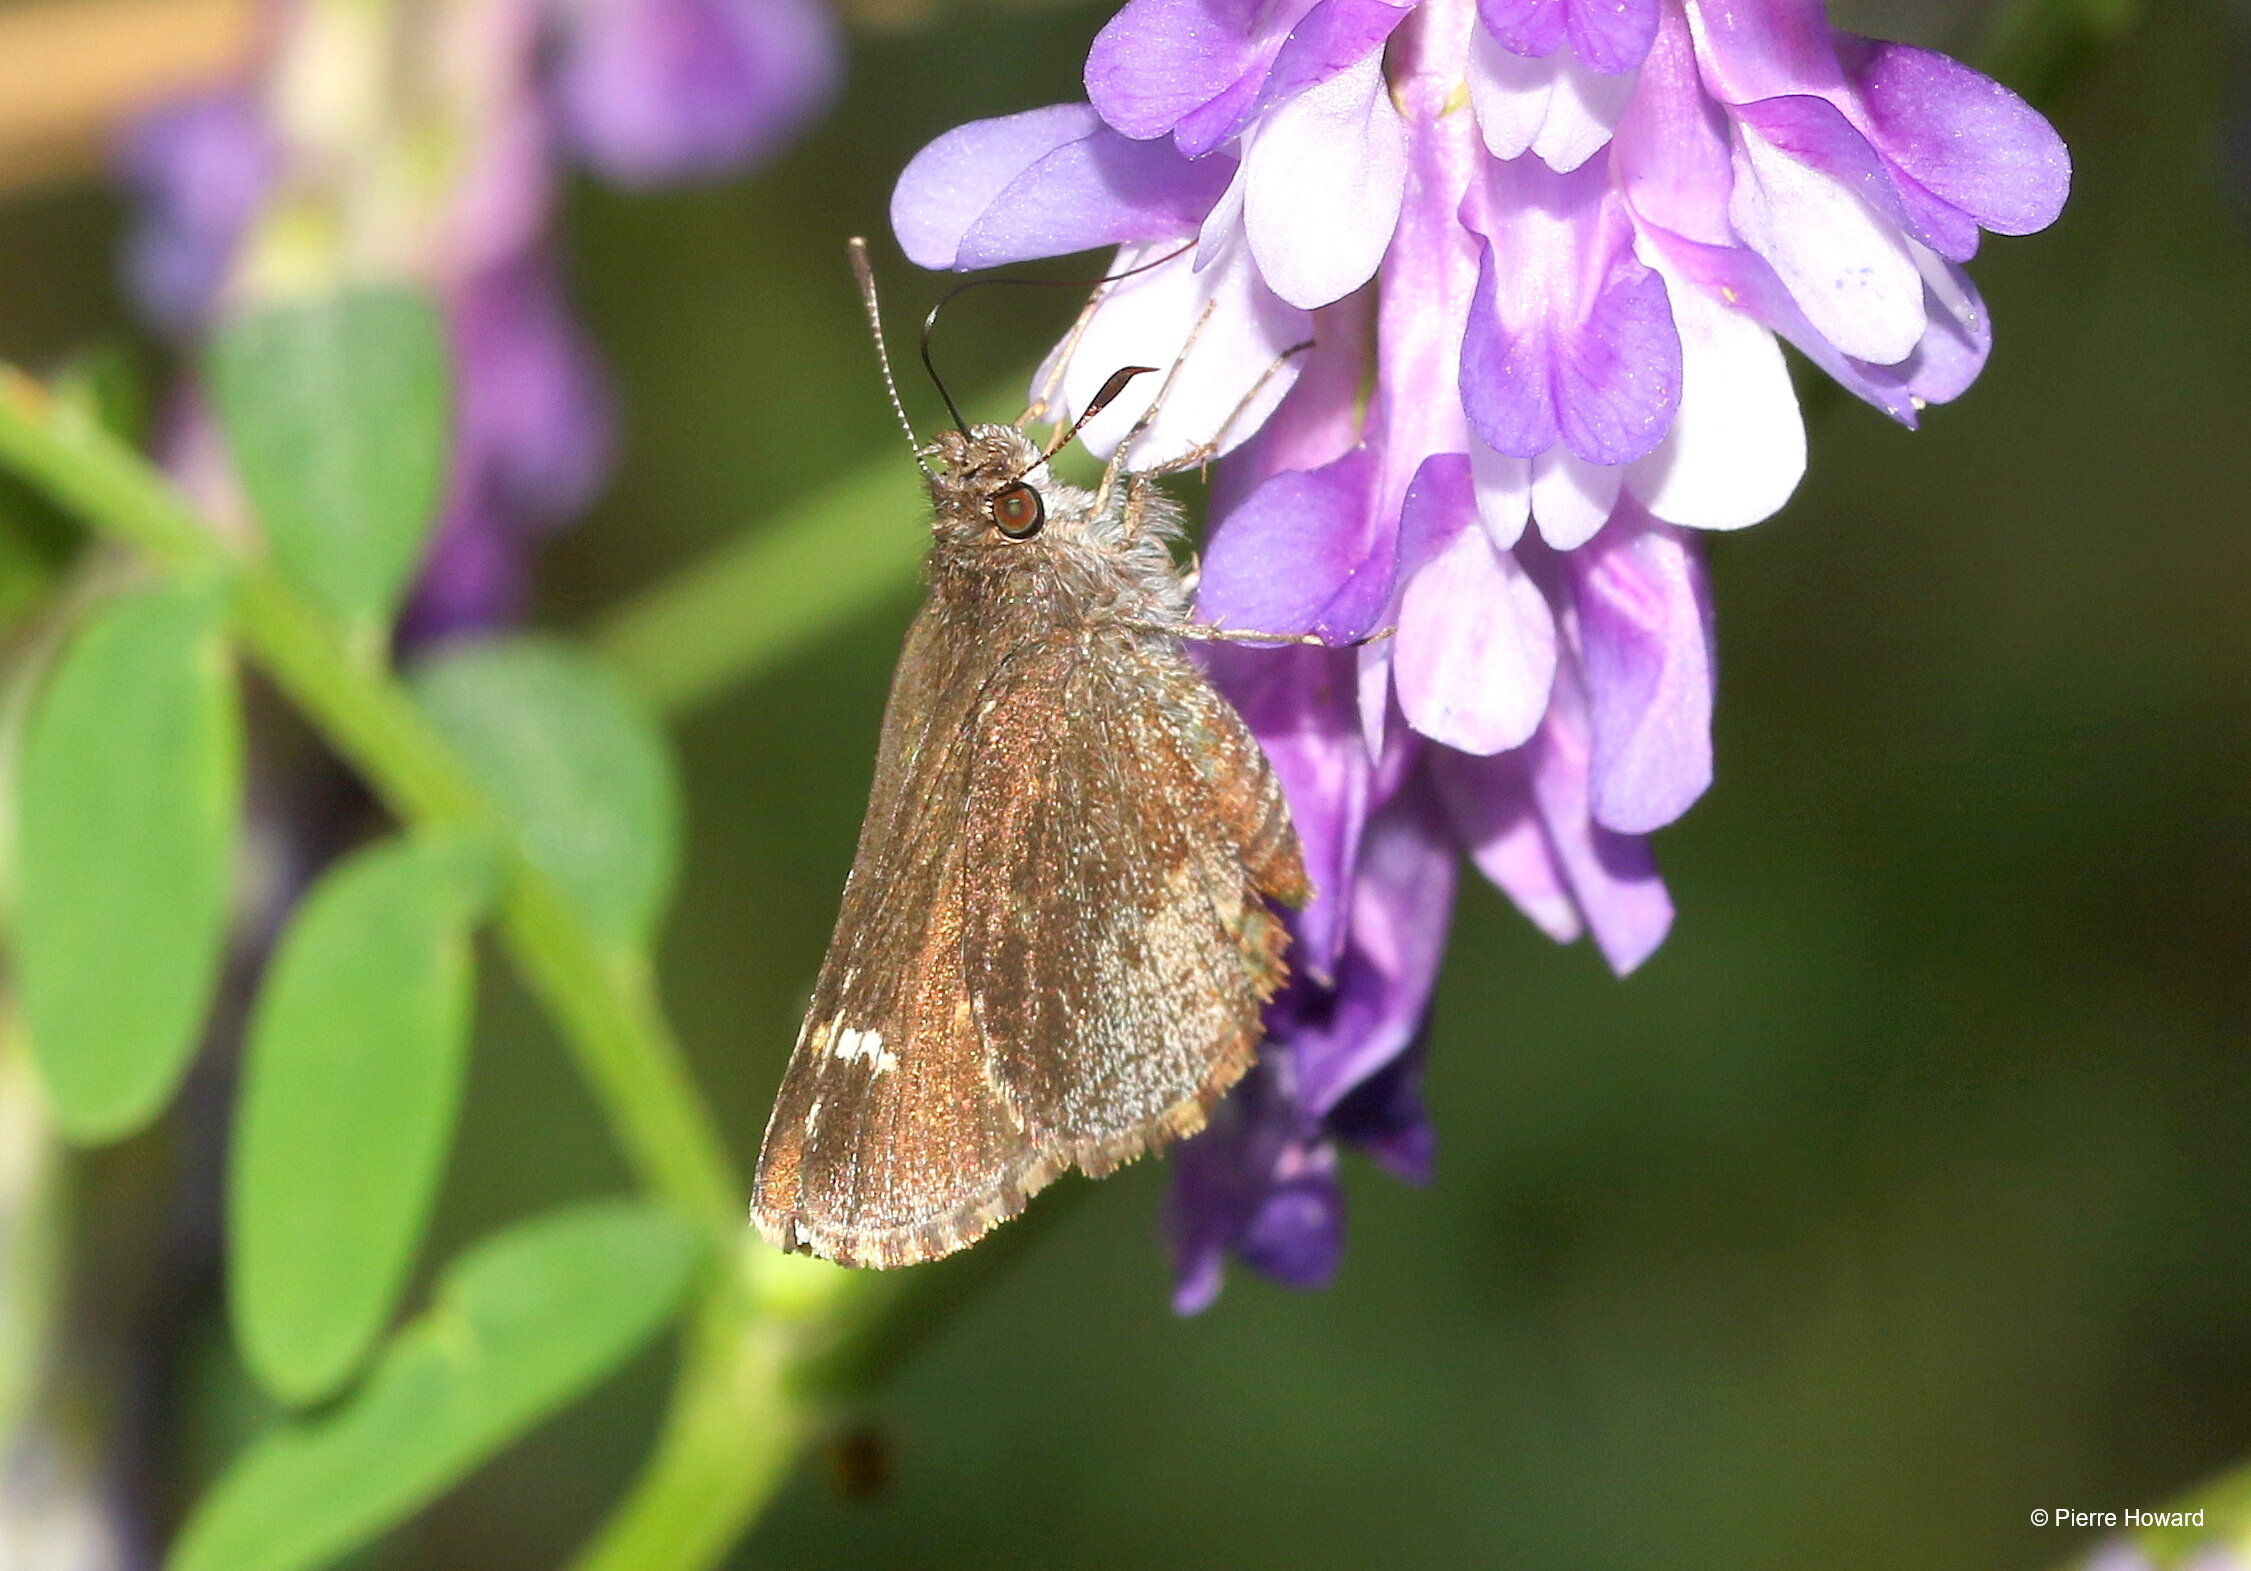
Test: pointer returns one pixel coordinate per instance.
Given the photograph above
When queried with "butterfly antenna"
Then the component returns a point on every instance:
(864, 275)
(930, 322)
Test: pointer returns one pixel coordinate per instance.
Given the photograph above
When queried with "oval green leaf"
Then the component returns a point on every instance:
(335, 412)
(350, 1084)
(523, 1323)
(553, 738)
(131, 785)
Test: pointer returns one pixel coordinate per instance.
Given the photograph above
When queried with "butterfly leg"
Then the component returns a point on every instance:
(1204, 452)
(1052, 383)
(1205, 632)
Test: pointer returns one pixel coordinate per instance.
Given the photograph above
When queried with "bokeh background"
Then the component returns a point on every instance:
(1907, 1189)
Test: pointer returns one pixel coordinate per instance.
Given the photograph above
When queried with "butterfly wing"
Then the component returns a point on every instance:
(1053, 947)
(1123, 837)
(887, 1144)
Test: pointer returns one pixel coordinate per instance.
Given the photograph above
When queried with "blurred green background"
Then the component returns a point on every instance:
(1904, 1191)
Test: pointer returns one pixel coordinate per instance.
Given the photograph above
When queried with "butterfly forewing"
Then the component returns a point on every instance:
(1054, 945)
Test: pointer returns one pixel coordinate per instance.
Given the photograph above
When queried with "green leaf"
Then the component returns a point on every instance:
(523, 1322)
(335, 411)
(131, 784)
(551, 735)
(350, 1085)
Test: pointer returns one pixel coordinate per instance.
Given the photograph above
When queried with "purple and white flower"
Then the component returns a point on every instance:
(1547, 252)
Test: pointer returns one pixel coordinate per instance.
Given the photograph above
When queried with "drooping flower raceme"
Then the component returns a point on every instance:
(426, 150)
(1545, 253)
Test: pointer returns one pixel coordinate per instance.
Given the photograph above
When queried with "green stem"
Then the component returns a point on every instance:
(727, 1445)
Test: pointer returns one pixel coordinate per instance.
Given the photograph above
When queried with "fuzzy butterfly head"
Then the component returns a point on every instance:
(993, 490)
(1001, 511)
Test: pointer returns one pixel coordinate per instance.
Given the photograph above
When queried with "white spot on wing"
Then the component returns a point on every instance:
(854, 1045)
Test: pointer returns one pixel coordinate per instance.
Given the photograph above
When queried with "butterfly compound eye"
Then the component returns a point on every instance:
(1018, 511)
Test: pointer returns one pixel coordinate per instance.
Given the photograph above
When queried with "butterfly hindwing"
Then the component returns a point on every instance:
(1124, 832)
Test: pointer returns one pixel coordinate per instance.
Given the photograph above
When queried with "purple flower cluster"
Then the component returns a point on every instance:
(642, 91)
(1545, 252)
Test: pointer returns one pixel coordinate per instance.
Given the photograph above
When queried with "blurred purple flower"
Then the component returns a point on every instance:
(652, 91)
(200, 171)
(1545, 353)
(532, 446)
(646, 91)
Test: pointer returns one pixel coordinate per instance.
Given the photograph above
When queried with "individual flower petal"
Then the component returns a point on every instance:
(1956, 342)
(1490, 803)
(1156, 61)
(1753, 49)
(1524, 27)
(1203, 69)
(1332, 37)
(1304, 553)
(1815, 133)
(1475, 653)
(1611, 36)
(1294, 1235)
(1844, 263)
(1226, 382)
(1402, 902)
(1749, 286)
(1670, 154)
(1323, 418)
(1323, 180)
(1507, 385)
(1609, 879)
(1645, 644)
(657, 90)
(1572, 498)
(1618, 377)
(1301, 704)
(1737, 446)
(947, 187)
(1612, 876)
(1963, 137)
(1554, 108)
(1503, 484)
(1570, 337)
(1429, 279)
(1045, 183)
